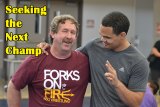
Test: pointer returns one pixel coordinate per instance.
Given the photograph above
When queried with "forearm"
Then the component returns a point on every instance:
(130, 98)
(13, 96)
(155, 52)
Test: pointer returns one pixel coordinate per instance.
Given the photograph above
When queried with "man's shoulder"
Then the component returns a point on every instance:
(136, 53)
(79, 53)
(32, 59)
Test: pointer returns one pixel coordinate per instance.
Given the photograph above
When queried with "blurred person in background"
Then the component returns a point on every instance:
(149, 98)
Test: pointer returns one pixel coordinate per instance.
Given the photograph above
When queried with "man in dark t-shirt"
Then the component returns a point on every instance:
(58, 79)
(155, 65)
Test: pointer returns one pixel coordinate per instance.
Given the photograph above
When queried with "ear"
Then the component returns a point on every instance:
(52, 34)
(123, 34)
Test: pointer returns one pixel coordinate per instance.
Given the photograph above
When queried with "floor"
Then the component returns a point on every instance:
(25, 96)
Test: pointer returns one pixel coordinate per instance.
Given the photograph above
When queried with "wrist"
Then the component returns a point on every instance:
(118, 84)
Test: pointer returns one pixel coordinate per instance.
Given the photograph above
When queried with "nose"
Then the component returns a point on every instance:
(69, 35)
(103, 39)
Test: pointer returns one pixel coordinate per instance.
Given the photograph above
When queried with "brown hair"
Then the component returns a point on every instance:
(61, 19)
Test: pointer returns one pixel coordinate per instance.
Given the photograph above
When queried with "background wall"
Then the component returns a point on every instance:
(2, 26)
(144, 25)
(95, 10)
(156, 35)
(28, 21)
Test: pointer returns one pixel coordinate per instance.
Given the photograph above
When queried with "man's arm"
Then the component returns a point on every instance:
(130, 98)
(155, 52)
(13, 95)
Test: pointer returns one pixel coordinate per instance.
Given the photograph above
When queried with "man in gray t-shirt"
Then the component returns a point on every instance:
(131, 70)
(119, 72)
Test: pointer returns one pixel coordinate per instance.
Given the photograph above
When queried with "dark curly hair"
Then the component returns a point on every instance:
(118, 21)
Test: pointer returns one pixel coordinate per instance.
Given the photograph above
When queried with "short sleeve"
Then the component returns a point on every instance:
(139, 76)
(25, 73)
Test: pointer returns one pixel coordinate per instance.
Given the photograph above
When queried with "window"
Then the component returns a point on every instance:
(38, 24)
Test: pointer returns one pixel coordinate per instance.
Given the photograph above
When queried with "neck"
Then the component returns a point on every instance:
(124, 46)
(60, 54)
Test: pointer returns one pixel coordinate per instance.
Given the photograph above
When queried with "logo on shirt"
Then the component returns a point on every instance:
(55, 90)
(121, 69)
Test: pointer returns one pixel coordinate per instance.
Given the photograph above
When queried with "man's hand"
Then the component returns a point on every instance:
(130, 98)
(111, 75)
(43, 46)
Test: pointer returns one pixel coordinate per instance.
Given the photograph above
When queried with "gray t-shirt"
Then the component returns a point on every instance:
(131, 66)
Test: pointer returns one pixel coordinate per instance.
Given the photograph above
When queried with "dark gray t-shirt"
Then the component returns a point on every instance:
(132, 70)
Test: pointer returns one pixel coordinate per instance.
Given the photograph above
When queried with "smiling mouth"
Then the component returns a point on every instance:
(105, 44)
(68, 42)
